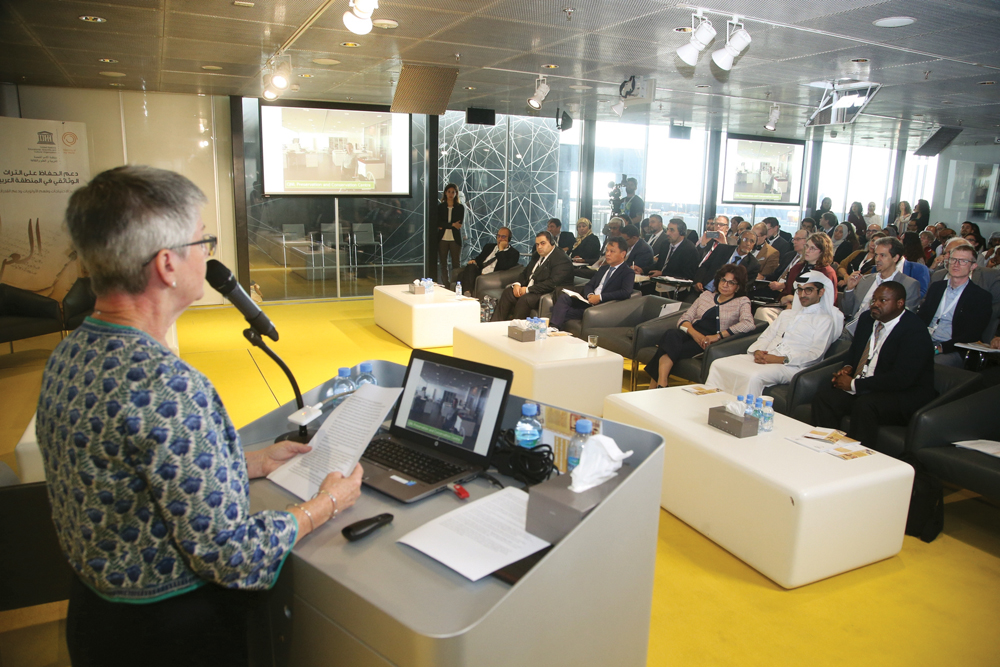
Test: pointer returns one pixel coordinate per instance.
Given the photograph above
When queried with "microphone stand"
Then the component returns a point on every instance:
(303, 435)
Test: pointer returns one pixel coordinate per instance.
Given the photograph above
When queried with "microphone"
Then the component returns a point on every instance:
(224, 282)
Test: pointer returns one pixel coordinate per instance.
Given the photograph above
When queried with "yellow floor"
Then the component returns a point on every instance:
(933, 604)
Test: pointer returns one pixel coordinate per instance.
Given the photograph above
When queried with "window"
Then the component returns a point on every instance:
(675, 170)
(621, 149)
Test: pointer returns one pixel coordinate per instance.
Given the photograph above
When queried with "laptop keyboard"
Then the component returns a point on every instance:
(405, 459)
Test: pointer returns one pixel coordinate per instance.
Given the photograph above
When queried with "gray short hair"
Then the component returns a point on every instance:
(124, 216)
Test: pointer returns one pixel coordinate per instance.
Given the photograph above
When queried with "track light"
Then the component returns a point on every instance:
(358, 19)
(281, 76)
(737, 40)
(619, 108)
(541, 90)
(772, 118)
(702, 33)
(270, 92)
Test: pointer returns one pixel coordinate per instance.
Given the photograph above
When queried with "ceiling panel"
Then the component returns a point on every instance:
(414, 22)
(195, 66)
(115, 44)
(441, 53)
(497, 33)
(227, 31)
(589, 15)
(120, 19)
(191, 49)
(373, 45)
(288, 12)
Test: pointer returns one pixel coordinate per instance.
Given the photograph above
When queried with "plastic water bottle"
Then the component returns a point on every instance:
(758, 409)
(748, 410)
(584, 427)
(341, 384)
(742, 399)
(458, 288)
(366, 376)
(528, 431)
(767, 417)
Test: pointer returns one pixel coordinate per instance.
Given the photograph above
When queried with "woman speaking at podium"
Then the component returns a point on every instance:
(147, 479)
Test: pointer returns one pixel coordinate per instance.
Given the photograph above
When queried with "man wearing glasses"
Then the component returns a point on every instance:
(956, 310)
(498, 256)
(860, 289)
(714, 252)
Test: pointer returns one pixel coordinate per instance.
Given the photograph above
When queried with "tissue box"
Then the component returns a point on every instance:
(554, 510)
(523, 335)
(417, 289)
(723, 420)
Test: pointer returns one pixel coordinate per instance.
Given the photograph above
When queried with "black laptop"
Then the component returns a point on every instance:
(444, 428)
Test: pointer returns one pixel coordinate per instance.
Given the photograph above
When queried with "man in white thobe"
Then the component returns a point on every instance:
(796, 339)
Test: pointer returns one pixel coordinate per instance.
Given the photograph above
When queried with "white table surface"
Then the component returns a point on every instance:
(793, 514)
(559, 370)
(422, 320)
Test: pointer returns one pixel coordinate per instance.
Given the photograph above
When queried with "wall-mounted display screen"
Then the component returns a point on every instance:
(316, 151)
(762, 171)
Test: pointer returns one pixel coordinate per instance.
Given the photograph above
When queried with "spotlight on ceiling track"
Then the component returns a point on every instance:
(358, 19)
(772, 118)
(281, 76)
(737, 40)
(270, 92)
(541, 90)
(563, 121)
(619, 108)
(702, 34)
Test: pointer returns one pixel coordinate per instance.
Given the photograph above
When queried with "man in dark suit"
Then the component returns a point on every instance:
(613, 282)
(548, 270)
(779, 240)
(713, 253)
(565, 240)
(498, 256)
(741, 255)
(956, 310)
(679, 258)
(640, 256)
(657, 236)
(889, 371)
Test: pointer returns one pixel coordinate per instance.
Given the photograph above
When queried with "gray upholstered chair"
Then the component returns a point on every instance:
(788, 396)
(696, 368)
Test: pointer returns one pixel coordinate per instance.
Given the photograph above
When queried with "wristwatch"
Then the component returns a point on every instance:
(784, 360)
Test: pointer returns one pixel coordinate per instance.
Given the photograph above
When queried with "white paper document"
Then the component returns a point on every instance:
(339, 442)
(978, 347)
(991, 447)
(481, 537)
(576, 295)
(669, 309)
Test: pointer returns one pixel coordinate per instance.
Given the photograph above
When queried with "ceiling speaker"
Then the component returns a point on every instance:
(474, 116)
(423, 89)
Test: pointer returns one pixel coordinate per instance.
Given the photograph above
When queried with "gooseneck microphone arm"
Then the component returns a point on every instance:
(303, 434)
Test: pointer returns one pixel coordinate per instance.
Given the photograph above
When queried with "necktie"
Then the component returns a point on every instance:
(531, 278)
(669, 253)
(872, 344)
(607, 275)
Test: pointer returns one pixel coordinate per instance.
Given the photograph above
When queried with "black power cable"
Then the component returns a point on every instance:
(527, 465)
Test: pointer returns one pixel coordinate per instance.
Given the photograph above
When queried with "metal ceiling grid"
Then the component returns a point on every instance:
(498, 33)
(176, 48)
(226, 31)
(373, 45)
(229, 69)
(783, 11)
(414, 22)
(605, 49)
(589, 15)
(286, 12)
(442, 53)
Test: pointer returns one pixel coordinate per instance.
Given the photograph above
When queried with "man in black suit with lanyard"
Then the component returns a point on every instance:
(549, 269)
(889, 371)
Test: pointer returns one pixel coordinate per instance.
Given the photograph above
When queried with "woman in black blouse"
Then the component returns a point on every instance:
(587, 248)
(450, 217)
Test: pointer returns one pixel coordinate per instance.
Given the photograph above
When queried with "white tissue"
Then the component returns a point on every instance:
(599, 462)
(520, 324)
(735, 408)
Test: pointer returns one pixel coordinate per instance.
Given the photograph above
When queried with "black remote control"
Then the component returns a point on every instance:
(366, 527)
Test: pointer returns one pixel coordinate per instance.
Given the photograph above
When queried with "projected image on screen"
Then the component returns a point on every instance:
(335, 151)
(762, 172)
(449, 404)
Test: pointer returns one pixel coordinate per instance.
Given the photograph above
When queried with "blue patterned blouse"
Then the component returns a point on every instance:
(146, 475)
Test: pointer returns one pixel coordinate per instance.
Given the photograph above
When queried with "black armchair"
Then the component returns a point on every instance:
(493, 284)
(78, 304)
(696, 369)
(24, 314)
(787, 397)
(934, 431)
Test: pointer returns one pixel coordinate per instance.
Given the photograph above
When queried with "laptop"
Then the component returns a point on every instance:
(443, 430)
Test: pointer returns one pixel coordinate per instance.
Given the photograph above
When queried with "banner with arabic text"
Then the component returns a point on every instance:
(41, 163)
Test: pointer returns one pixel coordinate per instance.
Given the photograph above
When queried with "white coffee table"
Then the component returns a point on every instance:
(561, 371)
(422, 320)
(794, 515)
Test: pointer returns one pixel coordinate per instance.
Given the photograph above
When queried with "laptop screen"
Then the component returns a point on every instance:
(450, 404)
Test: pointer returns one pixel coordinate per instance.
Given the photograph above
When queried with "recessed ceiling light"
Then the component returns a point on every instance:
(894, 21)
(350, 45)
(109, 61)
(112, 74)
(682, 28)
(117, 85)
(581, 86)
(326, 61)
(987, 83)
(385, 24)
(703, 85)
(550, 66)
(859, 60)
(242, 3)
(306, 76)
(211, 68)
(92, 19)
(470, 87)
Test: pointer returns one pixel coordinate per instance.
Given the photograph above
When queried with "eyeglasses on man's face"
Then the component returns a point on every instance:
(210, 242)
(805, 290)
(959, 262)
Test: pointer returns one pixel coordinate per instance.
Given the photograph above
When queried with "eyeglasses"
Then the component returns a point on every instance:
(960, 262)
(503, 236)
(728, 282)
(805, 290)
(210, 242)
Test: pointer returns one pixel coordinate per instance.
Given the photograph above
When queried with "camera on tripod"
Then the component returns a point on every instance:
(615, 196)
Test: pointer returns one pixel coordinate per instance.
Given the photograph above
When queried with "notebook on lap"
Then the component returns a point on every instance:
(444, 428)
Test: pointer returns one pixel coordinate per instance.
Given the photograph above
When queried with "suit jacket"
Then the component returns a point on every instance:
(788, 238)
(705, 271)
(641, 255)
(851, 303)
(566, 240)
(972, 313)
(457, 215)
(749, 262)
(988, 279)
(683, 261)
(619, 286)
(504, 259)
(660, 247)
(905, 361)
(781, 245)
(768, 258)
(556, 272)
(589, 249)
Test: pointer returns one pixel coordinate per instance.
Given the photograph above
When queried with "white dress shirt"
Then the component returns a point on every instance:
(803, 337)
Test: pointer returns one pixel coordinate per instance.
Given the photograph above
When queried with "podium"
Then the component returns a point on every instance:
(376, 602)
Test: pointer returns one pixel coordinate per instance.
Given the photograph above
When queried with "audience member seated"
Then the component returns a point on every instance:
(914, 264)
(657, 237)
(990, 255)
(743, 256)
(564, 240)
(613, 228)
(926, 244)
(679, 258)
(798, 338)
(860, 288)
(712, 252)
(732, 238)
(777, 239)
(939, 267)
(767, 256)
(773, 290)
(817, 253)
(828, 223)
(498, 256)
(956, 310)
(856, 218)
(586, 248)
(845, 242)
(862, 261)
(808, 224)
(548, 270)
(640, 256)
(613, 282)
(889, 372)
(872, 218)
(712, 317)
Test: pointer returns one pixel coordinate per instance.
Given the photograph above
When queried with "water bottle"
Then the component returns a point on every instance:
(767, 419)
(528, 431)
(748, 410)
(742, 399)
(342, 383)
(366, 377)
(584, 427)
(758, 409)
(458, 288)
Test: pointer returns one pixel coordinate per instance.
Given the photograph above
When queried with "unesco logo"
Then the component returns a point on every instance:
(69, 139)
(45, 138)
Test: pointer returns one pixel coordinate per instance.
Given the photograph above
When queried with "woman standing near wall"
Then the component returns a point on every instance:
(450, 217)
